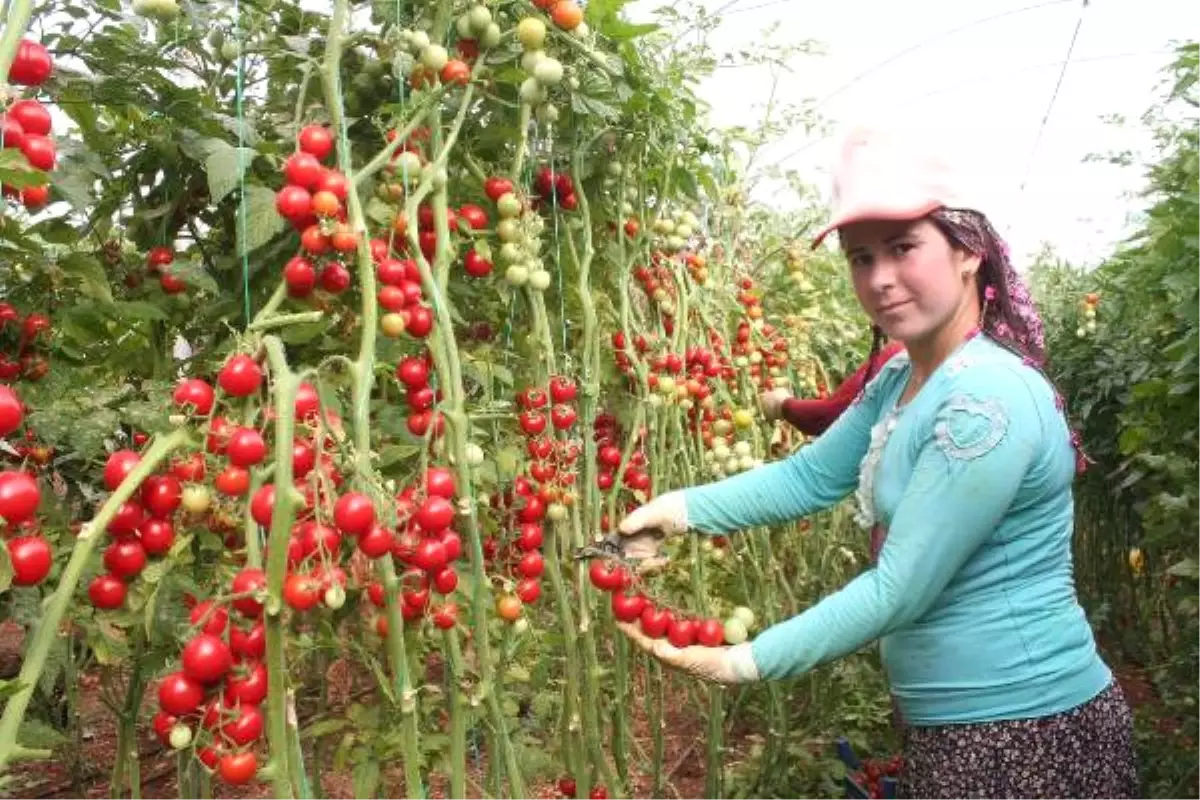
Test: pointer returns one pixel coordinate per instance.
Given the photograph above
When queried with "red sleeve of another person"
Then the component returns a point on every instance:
(813, 417)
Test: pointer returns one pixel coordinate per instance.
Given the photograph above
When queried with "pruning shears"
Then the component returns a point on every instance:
(635, 547)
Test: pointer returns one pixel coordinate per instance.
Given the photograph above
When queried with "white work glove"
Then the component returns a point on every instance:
(772, 403)
(725, 665)
(667, 512)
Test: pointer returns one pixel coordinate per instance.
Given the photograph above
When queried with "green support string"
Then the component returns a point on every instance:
(243, 221)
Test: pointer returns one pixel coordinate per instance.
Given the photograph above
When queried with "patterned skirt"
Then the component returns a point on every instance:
(1085, 752)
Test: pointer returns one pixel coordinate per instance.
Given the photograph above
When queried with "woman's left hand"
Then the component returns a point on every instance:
(724, 665)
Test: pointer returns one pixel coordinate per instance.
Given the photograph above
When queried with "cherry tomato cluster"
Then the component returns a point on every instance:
(635, 476)
(554, 189)
(546, 491)
(414, 373)
(26, 125)
(28, 550)
(426, 543)
(142, 527)
(313, 201)
(768, 356)
(158, 263)
(26, 338)
(212, 702)
(870, 778)
(656, 621)
(697, 267)
(658, 284)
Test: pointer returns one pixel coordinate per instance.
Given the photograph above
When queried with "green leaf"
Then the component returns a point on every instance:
(15, 170)
(9, 688)
(391, 454)
(138, 309)
(324, 727)
(225, 169)
(1188, 568)
(263, 222)
(366, 778)
(194, 274)
(36, 734)
(89, 276)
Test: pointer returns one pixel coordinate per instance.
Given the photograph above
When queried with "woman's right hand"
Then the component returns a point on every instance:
(772, 403)
(667, 513)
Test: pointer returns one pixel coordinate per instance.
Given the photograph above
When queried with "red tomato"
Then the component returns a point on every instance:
(246, 447)
(211, 619)
(445, 616)
(251, 644)
(106, 592)
(456, 71)
(294, 203)
(628, 607)
(161, 494)
(529, 536)
(206, 658)
(529, 590)
(430, 555)
(250, 579)
(241, 376)
(245, 726)
(195, 395)
(303, 169)
(12, 133)
(31, 559)
(532, 422)
(495, 188)
(300, 276)
(125, 558)
(562, 389)
(656, 621)
(439, 481)
(335, 278)
(32, 64)
(316, 140)
(262, 504)
(301, 592)
(412, 372)
(336, 184)
(39, 151)
(435, 514)
(32, 116)
(354, 513)
(247, 684)
(233, 481)
(238, 768)
(682, 633)
(375, 542)
(562, 416)
(476, 265)
(179, 695)
(308, 402)
(710, 633)
(531, 564)
(607, 577)
(475, 217)
(157, 536)
(420, 322)
(445, 580)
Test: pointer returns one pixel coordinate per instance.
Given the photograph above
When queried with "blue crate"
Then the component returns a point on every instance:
(846, 753)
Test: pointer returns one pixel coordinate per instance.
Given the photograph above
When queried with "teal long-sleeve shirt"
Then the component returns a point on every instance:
(972, 596)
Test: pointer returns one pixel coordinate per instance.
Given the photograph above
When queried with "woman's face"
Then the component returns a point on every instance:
(907, 276)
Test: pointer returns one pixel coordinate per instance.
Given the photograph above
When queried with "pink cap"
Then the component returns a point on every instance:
(881, 177)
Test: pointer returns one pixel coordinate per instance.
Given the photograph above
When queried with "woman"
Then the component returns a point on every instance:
(962, 463)
(812, 417)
